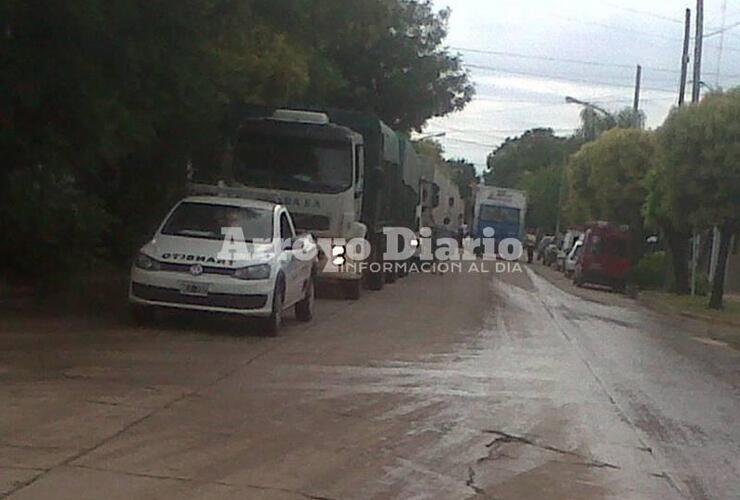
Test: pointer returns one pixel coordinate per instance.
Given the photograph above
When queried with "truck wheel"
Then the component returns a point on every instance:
(304, 308)
(403, 271)
(353, 289)
(142, 315)
(375, 280)
(391, 276)
(274, 322)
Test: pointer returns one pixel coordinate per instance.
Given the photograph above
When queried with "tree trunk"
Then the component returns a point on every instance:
(718, 281)
(678, 244)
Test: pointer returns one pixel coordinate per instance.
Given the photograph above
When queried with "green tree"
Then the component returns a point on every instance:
(382, 56)
(543, 188)
(532, 151)
(700, 172)
(115, 101)
(607, 179)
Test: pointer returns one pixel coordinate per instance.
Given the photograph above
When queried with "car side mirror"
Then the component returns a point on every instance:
(297, 243)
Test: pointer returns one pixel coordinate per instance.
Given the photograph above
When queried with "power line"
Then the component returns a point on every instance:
(632, 31)
(722, 30)
(559, 59)
(570, 61)
(564, 78)
(646, 13)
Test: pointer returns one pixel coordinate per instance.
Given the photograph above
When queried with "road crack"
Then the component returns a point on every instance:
(505, 437)
(470, 482)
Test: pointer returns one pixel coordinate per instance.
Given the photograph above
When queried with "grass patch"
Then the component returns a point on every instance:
(697, 305)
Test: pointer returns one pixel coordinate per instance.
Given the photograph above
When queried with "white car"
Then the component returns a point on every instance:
(572, 258)
(183, 266)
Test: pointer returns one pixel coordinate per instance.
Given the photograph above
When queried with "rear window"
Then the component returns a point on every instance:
(616, 247)
(206, 221)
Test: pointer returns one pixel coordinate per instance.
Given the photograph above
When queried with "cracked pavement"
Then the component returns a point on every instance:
(439, 387)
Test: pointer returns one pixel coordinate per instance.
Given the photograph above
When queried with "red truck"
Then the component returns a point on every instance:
(605, 259)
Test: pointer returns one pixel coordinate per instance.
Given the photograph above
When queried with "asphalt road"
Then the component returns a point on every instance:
(444, 387)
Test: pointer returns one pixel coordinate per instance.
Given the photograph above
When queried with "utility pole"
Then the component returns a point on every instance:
(695, 95)
(698, 42)
(717, 82)
(636, 104)
(685, 58)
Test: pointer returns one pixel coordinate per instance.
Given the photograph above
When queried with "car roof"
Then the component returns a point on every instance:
(231, 201)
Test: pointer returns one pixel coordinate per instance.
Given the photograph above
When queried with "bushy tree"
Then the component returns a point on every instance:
(607, 179)
(700, 172)
(532, 151)
(119, 98)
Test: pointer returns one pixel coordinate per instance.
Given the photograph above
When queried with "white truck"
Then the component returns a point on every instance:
(502, 209)
(338, 172)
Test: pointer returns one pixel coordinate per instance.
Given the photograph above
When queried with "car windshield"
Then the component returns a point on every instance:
(491, 213)
(294, 164)
(207, 221)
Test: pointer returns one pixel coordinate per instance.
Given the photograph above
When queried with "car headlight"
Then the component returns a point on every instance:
(258, 272)
(337, 250)
(414, 243)
(338, 261)
(146, 263)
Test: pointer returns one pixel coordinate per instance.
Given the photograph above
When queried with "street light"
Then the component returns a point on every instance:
(573, 100)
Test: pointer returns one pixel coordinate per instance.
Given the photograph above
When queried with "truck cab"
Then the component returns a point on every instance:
(501, 209)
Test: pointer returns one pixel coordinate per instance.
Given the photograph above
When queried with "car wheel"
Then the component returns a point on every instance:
(274, 322)
(304, 308)
(142, 315)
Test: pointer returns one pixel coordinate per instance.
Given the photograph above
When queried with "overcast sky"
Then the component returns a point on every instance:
(523, 83)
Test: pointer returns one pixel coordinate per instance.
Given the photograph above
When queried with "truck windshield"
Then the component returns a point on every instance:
(492, 213)
(293, 164)
(202, 220)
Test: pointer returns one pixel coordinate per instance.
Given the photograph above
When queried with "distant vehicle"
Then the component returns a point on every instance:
(545, 242)
(502, 209)
(570, 238)
(605, 258)
(180, 268)
(572, 258)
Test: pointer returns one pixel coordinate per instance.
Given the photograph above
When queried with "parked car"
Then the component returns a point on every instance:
(569, 240)
(184, 266)
(605, 258)
(572, 258)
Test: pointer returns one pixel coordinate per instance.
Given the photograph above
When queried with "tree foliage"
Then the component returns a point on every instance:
(698, 178)
(112, 100)
(518, 156)
(607, 176)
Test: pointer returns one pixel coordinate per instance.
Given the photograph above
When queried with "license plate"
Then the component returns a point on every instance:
(198, 289)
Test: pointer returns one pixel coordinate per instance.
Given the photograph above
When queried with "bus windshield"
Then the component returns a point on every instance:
(293, 164)
(492, 213)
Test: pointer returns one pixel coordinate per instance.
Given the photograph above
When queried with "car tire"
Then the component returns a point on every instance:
(142, 315)
(353, 289)
(274, 322)
(304, 308)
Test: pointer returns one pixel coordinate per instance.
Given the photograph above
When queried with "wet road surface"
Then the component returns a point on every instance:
(454, 386)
